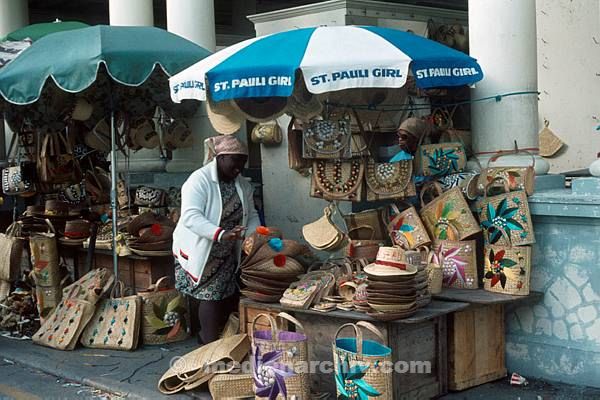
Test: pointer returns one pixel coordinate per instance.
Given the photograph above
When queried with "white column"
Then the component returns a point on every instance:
(136, 13)
(195, 21)
(131, 12)
(502, 37)
(14, 14)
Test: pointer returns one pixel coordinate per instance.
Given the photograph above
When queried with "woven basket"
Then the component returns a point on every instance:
(406, 228)
(447, 211)
(350, 354)
(231, 386)
(165, 317)
(459, 262)
(294, 353)
(44, 257)
(338, 180)
(357, 224)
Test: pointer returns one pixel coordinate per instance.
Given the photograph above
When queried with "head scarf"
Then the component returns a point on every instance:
(223, 144)
(416, 127)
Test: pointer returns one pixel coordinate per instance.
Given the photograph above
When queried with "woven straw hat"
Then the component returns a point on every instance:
(303, 104)
(223, 117)
(268, 265)
(179, 135)
(260, 109)
(82, 110)
(291, 248)
(56, 209)
(146, 220)
(549, 144)
(389, 264)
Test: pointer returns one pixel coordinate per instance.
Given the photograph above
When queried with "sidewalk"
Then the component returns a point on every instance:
(135, 374)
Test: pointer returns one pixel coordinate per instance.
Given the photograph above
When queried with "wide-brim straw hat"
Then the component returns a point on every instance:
(260, 109)
(146, 220)
(388, 265)
(156, 233)
(291, 266)
(82, 110)
(77, 229)
(151, 253)
(223, 117)
(56, 209)
(144, 134)
(291, 248)
(303, 104)
(164, 245)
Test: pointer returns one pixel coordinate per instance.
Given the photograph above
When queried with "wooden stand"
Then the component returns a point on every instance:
(476, 345)
(135, 271)
(418, 341)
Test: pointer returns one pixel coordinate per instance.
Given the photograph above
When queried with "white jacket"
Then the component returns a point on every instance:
(201, 208)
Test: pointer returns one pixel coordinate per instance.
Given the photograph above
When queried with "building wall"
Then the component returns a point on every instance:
(569, 78)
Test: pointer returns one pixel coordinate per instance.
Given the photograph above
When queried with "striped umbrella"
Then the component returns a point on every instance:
(330, 58)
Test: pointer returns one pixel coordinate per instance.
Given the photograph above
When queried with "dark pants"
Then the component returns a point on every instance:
(213, 315)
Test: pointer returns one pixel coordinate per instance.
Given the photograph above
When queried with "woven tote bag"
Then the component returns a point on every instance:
(447, 211)
(363, 219)
(509, 212)
(62, 328)
(327, 139)
(116, 322)
(389, 180)
(440, 159)
(507, 268)
(362, 367)
(279, 360)
(406, 228)
(165, 314)
(231, 386)
(518, 178)
(458, 260)
(338, 180)
(11, 252)
(44, 257)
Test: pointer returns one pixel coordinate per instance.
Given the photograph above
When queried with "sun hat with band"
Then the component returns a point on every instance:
(389, 263)
(219, 145)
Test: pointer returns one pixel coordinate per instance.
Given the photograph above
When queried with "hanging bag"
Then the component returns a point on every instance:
(295, 140)
(18, 179)
(445, 211)
(165, 314)
(11, 252)
(508, 211)
(268, 133)
(406, 228)
(507, 268)
(389, 180)
(338, 180)
(56, 162)
(327, 139)
(323, 234)
(362, 367)
(466, 181)
(458, 260)
(279, 359)
(518, 178)
(116, 322)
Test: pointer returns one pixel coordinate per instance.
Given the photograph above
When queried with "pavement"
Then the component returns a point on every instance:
(29, 371)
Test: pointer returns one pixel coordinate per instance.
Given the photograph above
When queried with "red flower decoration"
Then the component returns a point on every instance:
(156, 229)
(262, 230)
(279, 260)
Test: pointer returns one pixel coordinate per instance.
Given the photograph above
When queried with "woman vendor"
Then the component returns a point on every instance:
(217, 209)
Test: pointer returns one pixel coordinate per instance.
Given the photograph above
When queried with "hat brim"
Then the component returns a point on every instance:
(260, 109)
(383, 271)
(223, 118)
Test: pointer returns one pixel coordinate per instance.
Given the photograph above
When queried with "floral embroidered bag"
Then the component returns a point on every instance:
(116, 322)
(447, 216)
(389, 180)
(509, 212)
(458, 260)
(518, 178)
(507, 268)
(406, 228)
(165, 314)
(440, 159)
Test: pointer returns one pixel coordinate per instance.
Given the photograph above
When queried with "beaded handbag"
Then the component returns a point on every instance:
(327, 139)
(389, 180)
(338, 180)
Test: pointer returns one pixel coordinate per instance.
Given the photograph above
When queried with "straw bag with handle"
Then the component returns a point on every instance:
(361, 225)
(440, 159)
(11, 251)
(389, 180)
(362, 248)
(327, 139)
(358, 365)
(165, 315)
(116, 322)
(507, 268)
(406, 228)
(295, 140)
(338, 180)
(231, 386)
(324, 234)
(44, 257)
(518, 178)
(458, 260)
(435, 274)
(279, 360)
(446, 211)
(199, 366)
(56, 162)
(509, 212)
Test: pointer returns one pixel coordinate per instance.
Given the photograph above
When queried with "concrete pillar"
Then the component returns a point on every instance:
(136, 13)
(195, 21)
(14, 14)
(131, 12)
(502, 37)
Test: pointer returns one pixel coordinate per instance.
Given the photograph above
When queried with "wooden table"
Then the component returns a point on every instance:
(476, 336)
(420, 338)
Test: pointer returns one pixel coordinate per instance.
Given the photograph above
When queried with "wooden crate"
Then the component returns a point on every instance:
(476, 346)
(248, 313)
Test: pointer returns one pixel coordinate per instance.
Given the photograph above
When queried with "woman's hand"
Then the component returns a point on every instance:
(236, 233)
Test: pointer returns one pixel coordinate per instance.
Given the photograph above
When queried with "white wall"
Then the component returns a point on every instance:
(568, 47)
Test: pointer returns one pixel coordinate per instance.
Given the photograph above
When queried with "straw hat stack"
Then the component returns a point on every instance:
(392, 285)
(415, 258)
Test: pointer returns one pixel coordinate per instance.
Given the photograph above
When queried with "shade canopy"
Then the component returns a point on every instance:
(38, 31)
(330, 59)
(72, 59)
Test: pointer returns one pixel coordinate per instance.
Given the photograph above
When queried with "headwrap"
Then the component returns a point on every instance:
(223, 144)
(416, 127)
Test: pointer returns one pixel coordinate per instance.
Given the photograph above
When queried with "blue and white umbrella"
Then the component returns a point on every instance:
(330, 58)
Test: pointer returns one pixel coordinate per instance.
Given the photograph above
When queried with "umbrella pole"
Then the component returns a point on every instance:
(113, 191)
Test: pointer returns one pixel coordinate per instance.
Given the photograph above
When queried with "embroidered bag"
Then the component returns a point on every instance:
(338, 180)
(458, 260)
(507, 268)
(389, 180)
(448, 215)
(508, 211)
(18, 179)
(327, 139)
(440, 159)
(466, 181)
(150, 197)
(406, 228)
(518, 178)
(116, 322)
